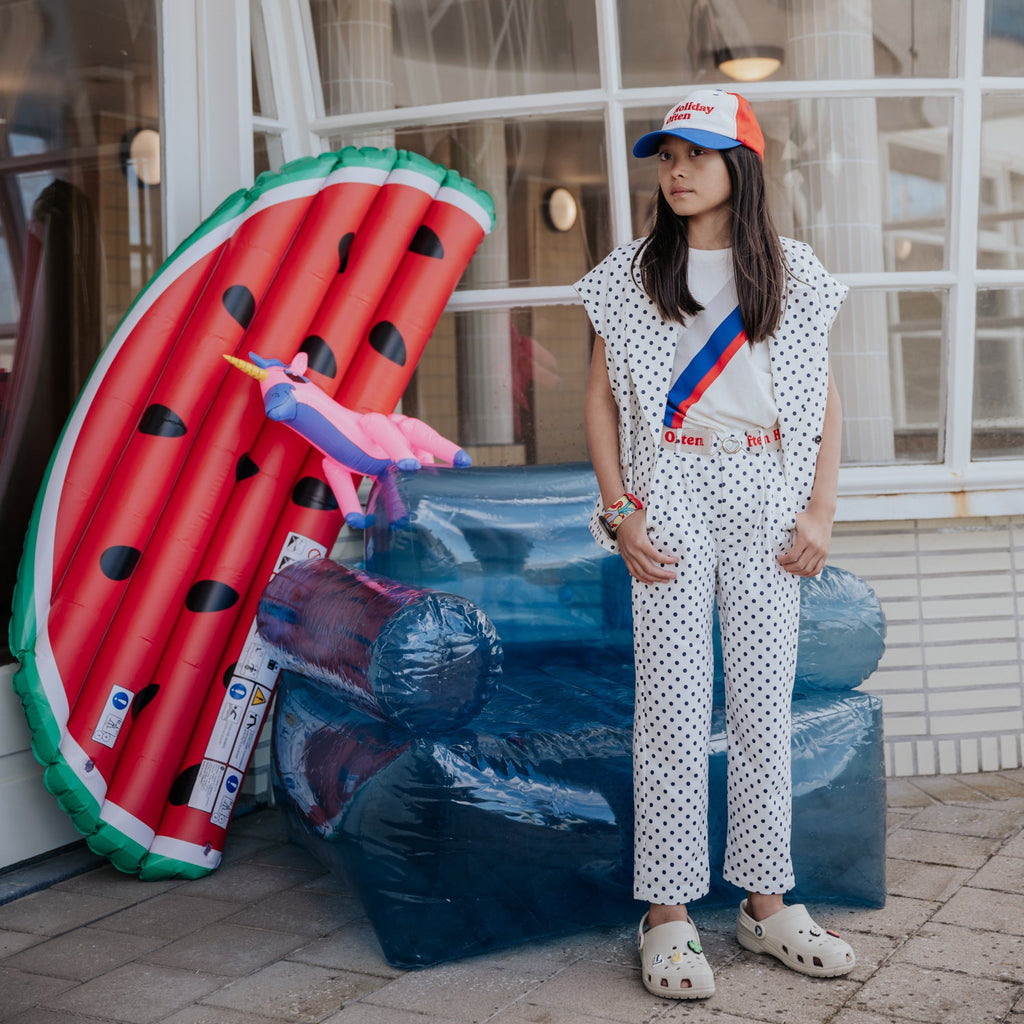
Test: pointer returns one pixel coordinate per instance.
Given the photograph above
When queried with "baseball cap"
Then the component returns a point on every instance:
(710, 118)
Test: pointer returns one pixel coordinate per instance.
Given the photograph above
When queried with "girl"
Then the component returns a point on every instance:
(714, 430)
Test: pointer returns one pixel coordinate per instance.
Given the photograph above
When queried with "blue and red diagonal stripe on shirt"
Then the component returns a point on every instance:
(704, 368)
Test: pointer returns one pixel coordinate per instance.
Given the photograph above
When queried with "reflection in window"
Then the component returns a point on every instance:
(1001, 206)
(998, 427)
(400, 53)
(684, 42)
(1004, 37)
(79, 233)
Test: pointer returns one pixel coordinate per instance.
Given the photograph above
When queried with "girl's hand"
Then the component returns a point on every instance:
(812, 537)
(643, 560)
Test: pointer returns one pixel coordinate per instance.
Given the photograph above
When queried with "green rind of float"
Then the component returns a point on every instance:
(483, 199)
(157, 868)
(407, 161)
(125, 853)
(78, 803)
(22, 627)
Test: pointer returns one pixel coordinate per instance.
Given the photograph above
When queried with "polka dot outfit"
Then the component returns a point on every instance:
(726, 517)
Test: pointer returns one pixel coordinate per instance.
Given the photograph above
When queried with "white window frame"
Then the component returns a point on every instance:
(956, 487)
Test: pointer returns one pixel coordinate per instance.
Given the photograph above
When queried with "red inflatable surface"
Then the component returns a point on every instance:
(171, 500)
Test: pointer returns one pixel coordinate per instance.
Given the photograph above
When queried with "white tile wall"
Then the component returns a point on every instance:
(950, 680)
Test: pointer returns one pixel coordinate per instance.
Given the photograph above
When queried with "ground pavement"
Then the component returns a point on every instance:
(269, 938)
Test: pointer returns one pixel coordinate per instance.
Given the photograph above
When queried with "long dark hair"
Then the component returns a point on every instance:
(759, 263)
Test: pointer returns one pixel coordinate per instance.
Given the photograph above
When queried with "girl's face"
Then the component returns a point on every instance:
(695, 182)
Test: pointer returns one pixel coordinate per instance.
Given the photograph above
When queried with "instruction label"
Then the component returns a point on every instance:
(113, 716)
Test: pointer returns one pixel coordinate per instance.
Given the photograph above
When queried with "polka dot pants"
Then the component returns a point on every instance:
(726, 517)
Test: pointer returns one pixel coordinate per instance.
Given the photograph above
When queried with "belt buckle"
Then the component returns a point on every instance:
(731, 444)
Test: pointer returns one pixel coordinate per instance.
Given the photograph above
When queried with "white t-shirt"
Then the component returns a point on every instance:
(719, 380)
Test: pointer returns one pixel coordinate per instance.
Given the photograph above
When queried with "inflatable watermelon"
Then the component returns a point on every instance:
(171, 500)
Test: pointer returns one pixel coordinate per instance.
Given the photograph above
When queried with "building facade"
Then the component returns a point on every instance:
(895, 146)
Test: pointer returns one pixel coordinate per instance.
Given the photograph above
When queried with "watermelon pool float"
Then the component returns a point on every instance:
(171, 500)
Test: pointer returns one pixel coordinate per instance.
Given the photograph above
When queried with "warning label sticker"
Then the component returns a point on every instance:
(226, 798)
(207, 785)
(112, 717)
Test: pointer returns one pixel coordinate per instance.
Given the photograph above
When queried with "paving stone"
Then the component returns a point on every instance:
(948, 789)
(757, 983)
(202, 1014)
(23, 989)
(871, 952)
(135, 993)
(995, 785)
(903, 793)
(303, 911)
(848, 1016)
(82, 954)
(1015, 847)
(937, 997)
(985, 910)
(14, 942)
(925, 881)
(1001, 872)
(169, 916)
(247, 882)
(295, 992)
(939, 848)
(54, 911)
(267, 824)
(982, 954)
(992, 821)
(901, 916)
(116, 885)
(41, 1015)
(368, 1013)
(895, 819)
(228, 950)
(353, 947)
(329, 883)
(601, 991)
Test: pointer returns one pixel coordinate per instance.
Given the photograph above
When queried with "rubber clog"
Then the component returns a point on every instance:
(671, 954)
(792, 937)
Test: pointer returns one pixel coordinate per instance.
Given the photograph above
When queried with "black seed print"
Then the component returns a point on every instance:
(245, 468)
(386, 338)
(321, 358)
(229, 674)
(159, 421)
(210, 596)
(143, 698)
(426, 243)
(315, 494)
(181, 790)
(118, 562)
(240, 304)
(343, 247)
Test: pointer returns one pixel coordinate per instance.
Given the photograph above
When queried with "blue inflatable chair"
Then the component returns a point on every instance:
(453, 733)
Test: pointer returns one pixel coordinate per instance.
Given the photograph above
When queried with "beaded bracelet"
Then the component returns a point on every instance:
(611, 518)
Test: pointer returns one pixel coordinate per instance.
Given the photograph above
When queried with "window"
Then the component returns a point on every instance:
(904, 174)
(80, 218)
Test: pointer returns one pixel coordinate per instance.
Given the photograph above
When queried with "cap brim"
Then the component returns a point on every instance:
(647, 145)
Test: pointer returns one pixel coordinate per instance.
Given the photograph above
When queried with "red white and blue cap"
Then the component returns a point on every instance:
(711, 119)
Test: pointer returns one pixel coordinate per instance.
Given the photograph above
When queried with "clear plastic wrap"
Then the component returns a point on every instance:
(517, 822)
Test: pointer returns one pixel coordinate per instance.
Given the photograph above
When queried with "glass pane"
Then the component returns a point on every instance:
(887, 352)
(262, 81)
(685, 42)
(864, 181)
(1001, 199)
(376, 55)
(80, 217)
(519, 163)
(999, 375)
(507, 384)
(1004, 37)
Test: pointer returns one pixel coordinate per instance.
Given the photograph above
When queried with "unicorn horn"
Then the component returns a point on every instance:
(249, 369)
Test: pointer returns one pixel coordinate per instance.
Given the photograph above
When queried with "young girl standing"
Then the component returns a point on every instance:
(714, 431)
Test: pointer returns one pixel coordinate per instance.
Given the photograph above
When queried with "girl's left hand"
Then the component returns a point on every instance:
(812, 536)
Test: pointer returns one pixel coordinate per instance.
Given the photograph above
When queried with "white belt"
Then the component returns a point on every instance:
(699, 441)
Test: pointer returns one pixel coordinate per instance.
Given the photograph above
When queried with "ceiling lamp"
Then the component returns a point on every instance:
(748, 63)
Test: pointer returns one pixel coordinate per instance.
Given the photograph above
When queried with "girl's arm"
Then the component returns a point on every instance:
(813, 534)
(601, 418)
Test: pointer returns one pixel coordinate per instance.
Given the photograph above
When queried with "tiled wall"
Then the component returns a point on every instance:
(950, 680)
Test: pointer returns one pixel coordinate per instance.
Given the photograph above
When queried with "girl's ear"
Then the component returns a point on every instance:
(299, 364)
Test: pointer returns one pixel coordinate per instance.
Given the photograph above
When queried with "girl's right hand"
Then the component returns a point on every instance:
(643, 560)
